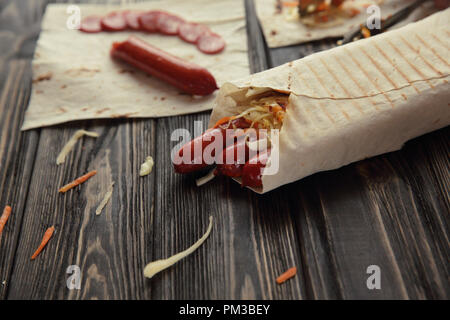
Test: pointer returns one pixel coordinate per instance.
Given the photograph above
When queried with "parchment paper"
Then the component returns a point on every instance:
(75, 78)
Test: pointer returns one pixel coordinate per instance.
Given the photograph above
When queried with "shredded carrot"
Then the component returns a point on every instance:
(365, 32)
(323, 7)
(47, 235)
(280, 116)
(354, 12)
(321, 18)
(290, 3)
(78, 181)
(276, 109)
(223, 120)
(287, 275)
(5, 215)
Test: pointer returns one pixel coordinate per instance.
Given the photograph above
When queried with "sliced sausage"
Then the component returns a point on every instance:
(190, 32)
(132, 19)
(91, 24)
(168, 24)
(148, 20)
(114, 21)
(210, 43)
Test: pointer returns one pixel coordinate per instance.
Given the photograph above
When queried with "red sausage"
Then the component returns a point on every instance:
(168, 24)
(441, 4)
(240, 153)
(252, 171)
(148, 20)
(196, 161)
(115, 21)
(337, 3)
(182, 74)
(190, 32)
(204, 140)
(210, 43)
(91, 24)
(132, 19)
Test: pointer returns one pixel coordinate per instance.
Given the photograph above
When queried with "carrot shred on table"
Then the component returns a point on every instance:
(5, 216)
(78, 181)
(47, 235)
(287, 275)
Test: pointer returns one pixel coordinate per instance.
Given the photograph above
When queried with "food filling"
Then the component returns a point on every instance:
(265, 112)
(244, 140)
(325, 13)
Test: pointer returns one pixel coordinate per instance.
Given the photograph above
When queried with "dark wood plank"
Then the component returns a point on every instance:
(258, 53)
(18, 33)
(412, 203)
(109, 248)
(17, 152)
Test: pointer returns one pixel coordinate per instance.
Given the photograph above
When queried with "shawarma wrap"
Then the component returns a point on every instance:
(352, 102)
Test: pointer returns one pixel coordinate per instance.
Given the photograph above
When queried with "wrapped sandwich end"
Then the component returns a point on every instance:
(263, 108)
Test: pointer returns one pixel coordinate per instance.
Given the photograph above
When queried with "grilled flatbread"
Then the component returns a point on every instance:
(355, 101)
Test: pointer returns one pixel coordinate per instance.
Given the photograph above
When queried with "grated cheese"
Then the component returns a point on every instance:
(71, 143)
(146, 167)
(105, 200)
(156, 266)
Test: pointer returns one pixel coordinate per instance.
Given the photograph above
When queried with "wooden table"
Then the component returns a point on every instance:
(391, 211)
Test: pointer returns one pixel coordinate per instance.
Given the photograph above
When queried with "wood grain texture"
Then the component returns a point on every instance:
(109, 248)
(391, 211)
(18, 33)
(17, 151)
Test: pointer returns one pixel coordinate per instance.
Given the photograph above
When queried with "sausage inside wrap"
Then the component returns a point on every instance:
(352, 102)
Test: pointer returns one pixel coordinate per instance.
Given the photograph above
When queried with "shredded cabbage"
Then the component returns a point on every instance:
(146, 167)
(105, 200)
(71, 143)
(159, 265)
(266, 113)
